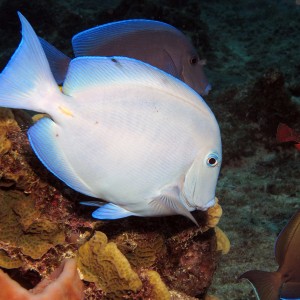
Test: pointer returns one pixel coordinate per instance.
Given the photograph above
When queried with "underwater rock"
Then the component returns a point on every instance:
(63, 284)
(269, 102)
(250, 115)
(191, 263)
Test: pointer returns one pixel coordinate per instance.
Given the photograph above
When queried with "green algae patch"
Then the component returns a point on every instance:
(102, 262)
(23, 227)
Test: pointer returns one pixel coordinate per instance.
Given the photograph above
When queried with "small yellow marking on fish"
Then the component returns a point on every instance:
(66, 111)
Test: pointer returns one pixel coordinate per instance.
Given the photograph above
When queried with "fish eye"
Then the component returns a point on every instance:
(212, 160)
(193, 60)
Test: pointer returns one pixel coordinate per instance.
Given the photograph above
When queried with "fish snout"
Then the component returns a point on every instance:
(206, 90)
(204, 207)
(209, 204)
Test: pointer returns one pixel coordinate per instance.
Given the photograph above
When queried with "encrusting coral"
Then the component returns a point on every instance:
(103, 263)
(9, 262)
(214, 215)
(223, 243)
(63, 284)
(159, 290)
(141, 250)
(22, 226)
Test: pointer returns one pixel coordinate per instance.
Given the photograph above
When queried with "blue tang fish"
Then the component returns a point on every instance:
(157, 43)
(120, 130)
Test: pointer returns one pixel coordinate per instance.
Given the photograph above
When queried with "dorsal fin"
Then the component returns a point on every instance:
(85, 42)
(85, 73)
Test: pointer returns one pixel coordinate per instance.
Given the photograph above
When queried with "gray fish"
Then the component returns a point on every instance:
(156, 43)
(285, 282)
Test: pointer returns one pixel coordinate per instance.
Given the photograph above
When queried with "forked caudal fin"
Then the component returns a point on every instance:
(27, 81)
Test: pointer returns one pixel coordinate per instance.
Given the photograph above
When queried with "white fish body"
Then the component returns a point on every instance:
(121, 131)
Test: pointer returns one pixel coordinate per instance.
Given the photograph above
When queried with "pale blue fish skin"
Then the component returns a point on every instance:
(120, 130)
(153, 42)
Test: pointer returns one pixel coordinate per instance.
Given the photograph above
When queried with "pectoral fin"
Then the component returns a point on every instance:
(167, 64)
(167, 204)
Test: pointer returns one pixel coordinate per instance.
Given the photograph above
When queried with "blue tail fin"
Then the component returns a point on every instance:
(27, 81)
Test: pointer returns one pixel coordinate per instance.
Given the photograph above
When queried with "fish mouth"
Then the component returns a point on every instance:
(209, 204)
(206, 90)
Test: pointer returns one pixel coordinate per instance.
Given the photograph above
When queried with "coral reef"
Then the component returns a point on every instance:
(63, 284)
